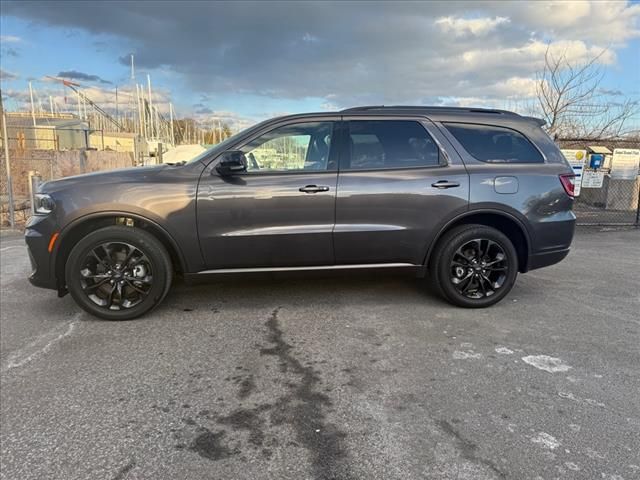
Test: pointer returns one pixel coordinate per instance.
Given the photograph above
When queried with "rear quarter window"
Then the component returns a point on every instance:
(492, 144)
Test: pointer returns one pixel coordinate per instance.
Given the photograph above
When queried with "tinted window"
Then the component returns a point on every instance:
(390, 144)
(300, 146)
(494, 144)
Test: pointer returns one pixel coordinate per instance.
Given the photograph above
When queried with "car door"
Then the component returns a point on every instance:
(280, 212)
(397, 185)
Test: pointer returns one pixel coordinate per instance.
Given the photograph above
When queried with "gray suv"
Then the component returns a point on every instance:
(469, 196)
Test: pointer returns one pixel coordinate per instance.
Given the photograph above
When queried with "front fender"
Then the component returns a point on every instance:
(104, 214)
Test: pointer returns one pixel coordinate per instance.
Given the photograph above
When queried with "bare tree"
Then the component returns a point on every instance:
(570, 99)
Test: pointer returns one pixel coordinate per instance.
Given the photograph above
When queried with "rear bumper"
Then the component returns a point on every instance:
(545, 259)
(552, 239)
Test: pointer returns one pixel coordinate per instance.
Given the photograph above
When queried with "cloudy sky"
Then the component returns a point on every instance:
(254, 60)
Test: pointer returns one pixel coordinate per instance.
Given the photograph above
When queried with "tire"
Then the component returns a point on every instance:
(457, 250)
(112, 291)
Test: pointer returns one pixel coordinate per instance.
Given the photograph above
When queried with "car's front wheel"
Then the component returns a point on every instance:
(118, 272)
(474, 266)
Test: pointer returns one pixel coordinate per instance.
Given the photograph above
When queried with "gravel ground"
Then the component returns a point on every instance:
(331, 377)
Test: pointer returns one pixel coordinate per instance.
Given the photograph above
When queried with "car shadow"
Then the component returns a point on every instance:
(319, 288)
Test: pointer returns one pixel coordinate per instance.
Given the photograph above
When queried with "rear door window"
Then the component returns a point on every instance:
(389, 144)
(492, 144)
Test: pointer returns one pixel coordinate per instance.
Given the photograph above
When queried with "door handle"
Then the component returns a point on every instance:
(313, 189)
(445, 184)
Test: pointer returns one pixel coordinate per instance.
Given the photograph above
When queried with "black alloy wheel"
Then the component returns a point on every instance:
(474, 266)
(116, 275)
(118, 272)
(479, 268)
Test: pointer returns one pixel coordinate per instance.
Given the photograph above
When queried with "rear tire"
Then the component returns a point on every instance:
(474, 266)
(118, 272)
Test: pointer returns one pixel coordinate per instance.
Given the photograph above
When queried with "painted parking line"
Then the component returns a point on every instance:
(2, 249)
(40, 346)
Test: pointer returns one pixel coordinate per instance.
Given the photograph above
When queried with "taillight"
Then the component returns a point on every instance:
(568, 181)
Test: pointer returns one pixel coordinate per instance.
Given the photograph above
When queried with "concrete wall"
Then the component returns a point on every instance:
(118, 142)
(45, 137)
(51, 165)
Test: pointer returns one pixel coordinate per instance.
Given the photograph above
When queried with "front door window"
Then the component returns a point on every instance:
(291, 148)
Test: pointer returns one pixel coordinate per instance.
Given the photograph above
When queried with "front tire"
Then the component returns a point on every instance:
(118, 273)
(474, 266)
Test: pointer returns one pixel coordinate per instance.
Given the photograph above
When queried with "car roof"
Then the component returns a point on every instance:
(423, 109)
(437, 113)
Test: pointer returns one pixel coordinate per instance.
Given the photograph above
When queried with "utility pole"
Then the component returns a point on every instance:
(134, 118)
(51, 105)
(143, 104)
(150, 103)
(139, 119)
(79, 105)
(173, 138)
(5, 141)
(33, 111)
(117, 118)
(156, 122)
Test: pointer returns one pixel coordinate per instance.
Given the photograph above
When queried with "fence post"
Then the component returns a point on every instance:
(5, 141)
(83, 161)
(34, 180)
(638, 205)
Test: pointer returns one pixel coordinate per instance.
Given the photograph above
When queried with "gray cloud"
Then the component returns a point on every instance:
(611, 92)
(4, 75)
(9, 52)
(75, 75)
(347, 52)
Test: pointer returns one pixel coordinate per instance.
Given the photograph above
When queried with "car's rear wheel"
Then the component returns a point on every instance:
(118, 273)
(474, 266)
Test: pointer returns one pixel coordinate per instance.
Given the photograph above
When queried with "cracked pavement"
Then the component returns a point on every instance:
(356, 376)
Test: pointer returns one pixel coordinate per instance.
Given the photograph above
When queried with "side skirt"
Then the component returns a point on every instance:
(217, 273)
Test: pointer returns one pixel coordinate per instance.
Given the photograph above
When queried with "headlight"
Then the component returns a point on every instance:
(43, 204)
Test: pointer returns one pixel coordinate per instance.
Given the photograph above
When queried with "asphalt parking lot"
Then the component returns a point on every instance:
(333, 377)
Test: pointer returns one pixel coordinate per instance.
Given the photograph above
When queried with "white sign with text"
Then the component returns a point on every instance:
(576, 159)
(624, 163)
(592, 179)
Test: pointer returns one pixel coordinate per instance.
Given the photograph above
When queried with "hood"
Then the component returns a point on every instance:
(119, 175)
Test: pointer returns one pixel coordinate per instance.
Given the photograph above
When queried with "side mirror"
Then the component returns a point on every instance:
(231, 162)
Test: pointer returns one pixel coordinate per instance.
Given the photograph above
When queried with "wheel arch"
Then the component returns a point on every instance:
(70, 235)
(500, 220)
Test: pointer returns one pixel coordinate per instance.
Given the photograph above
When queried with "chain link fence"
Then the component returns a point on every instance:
(607, 185)
(57, 147)
(49, 165)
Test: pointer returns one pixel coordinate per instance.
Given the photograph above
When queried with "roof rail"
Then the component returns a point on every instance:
(427, 108)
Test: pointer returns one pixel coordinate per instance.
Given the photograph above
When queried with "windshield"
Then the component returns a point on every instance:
(222, 146)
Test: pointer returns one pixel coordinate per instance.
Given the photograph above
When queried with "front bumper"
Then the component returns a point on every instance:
(37, 236)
